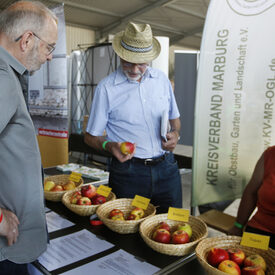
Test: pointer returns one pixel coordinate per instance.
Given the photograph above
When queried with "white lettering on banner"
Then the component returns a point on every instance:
(235, 98)
(269, 106)
(216, 107)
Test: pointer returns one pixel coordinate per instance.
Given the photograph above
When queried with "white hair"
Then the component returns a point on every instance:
(24, 16)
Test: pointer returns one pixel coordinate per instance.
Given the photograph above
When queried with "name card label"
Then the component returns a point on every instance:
(255, 240)
(178, 214)
(103, 190)
(74, 176)
(140, 202)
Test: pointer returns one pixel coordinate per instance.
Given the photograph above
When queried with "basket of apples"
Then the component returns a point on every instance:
(172, 237)
(56, 186)
(84, 200)
(224, 255)
(122, 217)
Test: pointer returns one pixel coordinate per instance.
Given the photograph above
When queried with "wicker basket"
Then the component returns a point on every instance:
(199, 231)
(82, 210)
(125, 205)
(234, 242)
(58, 179)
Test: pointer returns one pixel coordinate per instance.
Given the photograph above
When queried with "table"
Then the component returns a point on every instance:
(132, 243)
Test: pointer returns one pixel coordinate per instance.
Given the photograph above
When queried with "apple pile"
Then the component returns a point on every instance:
(163, 233)
(87, 196)
(52, 186)
(118, 215)
(234, 261)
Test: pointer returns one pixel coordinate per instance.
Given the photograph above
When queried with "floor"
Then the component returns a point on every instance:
(186, 179)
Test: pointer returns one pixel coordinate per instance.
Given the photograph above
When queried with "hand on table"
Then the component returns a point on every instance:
(9, 226)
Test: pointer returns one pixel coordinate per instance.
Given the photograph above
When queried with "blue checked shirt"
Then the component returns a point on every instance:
(131, 111)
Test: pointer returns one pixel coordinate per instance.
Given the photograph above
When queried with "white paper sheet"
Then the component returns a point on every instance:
(56, 222)
(164, 125)
(72, 248)
(119, 262)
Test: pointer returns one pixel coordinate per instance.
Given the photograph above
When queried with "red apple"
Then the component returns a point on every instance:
(255, 260)
(84, 201)
(132, 217)
(164, 225)
(98, 199)
(216, 256)
(88, 191)
(252, 270)
(75, 196)
(115, 212)
(127, 147)
(236, 255)
(186, 227)
(161, 236)
(139, 212)
(229, 267)
(180, 237)
(57, 187)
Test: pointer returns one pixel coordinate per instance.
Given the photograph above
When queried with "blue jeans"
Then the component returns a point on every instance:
(9, 268)
(161, 182)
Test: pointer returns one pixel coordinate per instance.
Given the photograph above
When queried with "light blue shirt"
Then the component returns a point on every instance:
(131, 110)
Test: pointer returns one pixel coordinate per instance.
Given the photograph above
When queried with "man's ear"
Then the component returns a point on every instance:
(27, 41)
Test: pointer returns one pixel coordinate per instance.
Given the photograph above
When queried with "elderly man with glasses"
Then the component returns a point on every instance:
(130, 104)
(28, 34)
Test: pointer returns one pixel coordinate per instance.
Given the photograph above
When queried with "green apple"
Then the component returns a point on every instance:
(49, 185)
(185, 227)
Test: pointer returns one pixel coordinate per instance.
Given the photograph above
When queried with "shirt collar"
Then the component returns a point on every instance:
(120, 77)
(12, 61)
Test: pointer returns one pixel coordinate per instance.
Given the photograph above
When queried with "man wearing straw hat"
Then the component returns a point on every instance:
(129, 105)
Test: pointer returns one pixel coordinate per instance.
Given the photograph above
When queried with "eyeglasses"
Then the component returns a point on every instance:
(129, 65)
(50, 47)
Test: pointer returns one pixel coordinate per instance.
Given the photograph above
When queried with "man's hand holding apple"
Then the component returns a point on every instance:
(115, 149)
(9, 226)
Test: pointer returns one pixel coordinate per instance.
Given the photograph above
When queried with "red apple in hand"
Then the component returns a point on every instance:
(88, 191)
(84, 201)
(180, 237)
(236, 255)
(229, 267)
(216, 256)
(98, 199)
(127, 147)
(161, 236)
(255, 260)
(163, 225)
(252, 270)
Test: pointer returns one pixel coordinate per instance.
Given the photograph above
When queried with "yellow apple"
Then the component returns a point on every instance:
(70, 185)
(49, 185)
(255, 260)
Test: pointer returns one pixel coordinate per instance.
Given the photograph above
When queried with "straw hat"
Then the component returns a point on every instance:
(136, 44)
